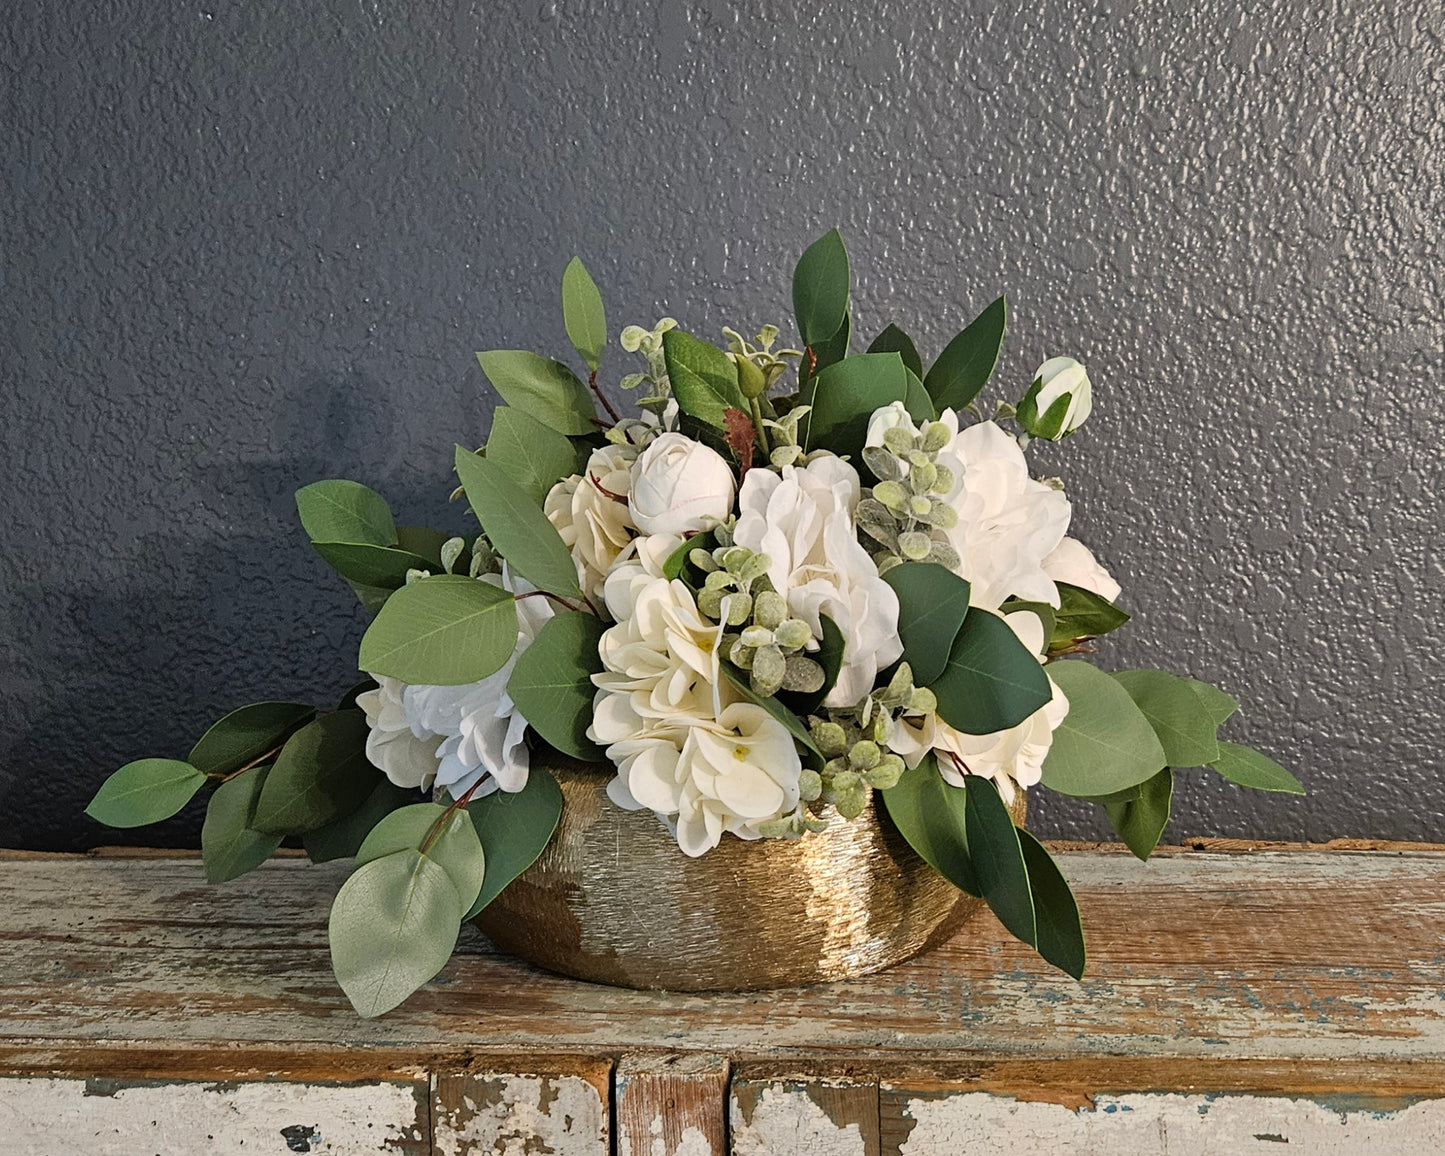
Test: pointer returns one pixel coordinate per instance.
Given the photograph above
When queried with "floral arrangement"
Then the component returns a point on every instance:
(802, 582)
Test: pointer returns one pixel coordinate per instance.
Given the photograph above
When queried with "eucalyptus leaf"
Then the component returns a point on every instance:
(820, 288)
(827, 352)
(829, 656)
(931, 816)
(533, 455)
(446, 836)
(993, 843)
(1056, 912)
(544, 388)
(425, 543)
(1246, 767)
(372, 598)
(442, 631)
(991, 681)
(1041, 610)
(246, 734)
(704, 379)
(145, 791)
(338, 510)
(582, 313)
(1217, 704)
(383, 567)
(514, 828)
(230, 844)
(932, 604)
(321, 774)
(1083, 614)
(1140, 814)
(343, 838)
(916, 401)
(894, 340)
(348, 700)
(551, 684)
(1105, 743)
(967, 362)
(843, 397)
(1177, 714)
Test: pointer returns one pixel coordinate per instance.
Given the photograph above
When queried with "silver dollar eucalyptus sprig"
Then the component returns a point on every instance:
(907, 505)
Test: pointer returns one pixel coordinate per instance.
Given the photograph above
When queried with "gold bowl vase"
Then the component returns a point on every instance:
(613, 900)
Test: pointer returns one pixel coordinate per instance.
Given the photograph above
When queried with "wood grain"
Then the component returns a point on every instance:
(524, 1106)
(804, 1114)
(671, 1105)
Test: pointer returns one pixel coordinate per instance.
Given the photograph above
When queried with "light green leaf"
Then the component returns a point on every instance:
(442, 631)
(967, 362)
(1083, 614)
(516, 526)
(739, 679)
(931, 814)
(393, 926)
(1041, 610)
(230, 845)
(829, 656)
(1061, 932)
(1105, 744)
(1177, 714)
(145, 791)
(932, 604)
(246, 734)
(704, 379)
(533, 455)
(424, 542)
(514, 828)
(1140, 814)
(820, 288)
(844, 396)
(1246, 767)
(552, 683)
(383, 567)
(321, 774)
(991, 681)
(894, 340)
(993, 844)
(544, 388)
(454, 844)
(342, 511)
(582, 313)
(1217, 704)
(343, 838)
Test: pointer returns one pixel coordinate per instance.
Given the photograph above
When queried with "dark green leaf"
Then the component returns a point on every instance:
(552, 683)
(1177, 714)
(829, 656)
(966, 363)
(582, 313)
(514, 828)
(442, 631)
(827, 352)
(348, 700)
(530, 453)
(372, 598)
(993, 844)
(1140, 814)
(917, 402)
(1083, 614)
(544, 388)
(704, 379)
(1218, 705)
(991, 681)
(1105, 744)
(1246, 767)
(676, 563)
(844, 396)
(1061, 933)
(424, 542)
(932, 604)
(739, 679)
(145, 791)
(930, 814)
(246, 734)
(343, 838)
(321, 774)
(820, 288)
(894, 340)
(383, 567)
(450, 839)
(230, 845)
(1041, 610)
(341, 511)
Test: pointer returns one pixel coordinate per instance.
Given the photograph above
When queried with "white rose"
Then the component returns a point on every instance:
(592, 515)
(1073, 562)
(803, 521)
(406, 755)
(680, 486)
(1058, 401)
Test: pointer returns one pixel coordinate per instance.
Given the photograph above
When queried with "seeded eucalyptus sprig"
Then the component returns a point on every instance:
(906, 506)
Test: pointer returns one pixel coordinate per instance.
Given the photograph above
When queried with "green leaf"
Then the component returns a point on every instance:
(454, 845)
(1140, 814)
(820, 288)
(1105, 744)
(372, 598)
(393, 926)
(894, 340)
(991, 681)
(993, 843)
(916, 400)
(932, 604)
(343, 838)
(442, 631)
(582, 313)
(321, 774)
(827, 352)
(383, 567)
(1246, 767)
(516, 526)
(544, 388)
(530, 453)
(1061, 932)
(739, 679)
(1177, 714)
(931, 816)
(829, 656)
(230, 845)
(1083, 614)
(343, 511)
(514, 828)
(844, 396)
(675, 564)
(967, 362)
(1041, 610)
(704, 379)
(246, 734)
(348, 700)
(145, 791)
(425, 543)
(552, 683)
(1218, 705)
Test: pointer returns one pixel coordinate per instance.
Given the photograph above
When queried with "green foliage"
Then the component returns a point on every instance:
(533, 455)
(932, 604)
(1105, 744)
(931, 816)
(829, 656)
(425, 543)
(582, 313)
(967, 362)
(704, 379)
(342, 511)
(828, 352)
(820, 289)
(1177, 714)
(246, 734)
(1218, 705)
(1082, 614)
(552, 683)
(380, 567)
(894, 340)
(321, 774)
(230, 843)
(514, 828)
(991, 680)
(447, 836)
(343, 838)
(516, 527)
(993, 844)
(393, 926)
(1246, 767)
(1140, 814)
(541, 387)
(145, 791)
(442, 631)
(916, 401)
(741, 682)
(348, 700)
(843, 397)
(1056, 912)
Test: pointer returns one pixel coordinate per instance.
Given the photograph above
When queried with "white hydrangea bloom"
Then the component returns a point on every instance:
(591, 513)
(1073, 562)
(405, 754)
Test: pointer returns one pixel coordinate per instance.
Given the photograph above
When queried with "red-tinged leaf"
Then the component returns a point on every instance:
(741, 436)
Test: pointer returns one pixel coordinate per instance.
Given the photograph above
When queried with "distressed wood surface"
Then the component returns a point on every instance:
(671, 1105)
(525, 1106)
(808, 1115)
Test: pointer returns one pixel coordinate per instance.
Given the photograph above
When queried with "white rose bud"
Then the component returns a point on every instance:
(680, 486)
(1058, 401)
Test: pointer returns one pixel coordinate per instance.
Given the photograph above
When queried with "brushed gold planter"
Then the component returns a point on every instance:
(613, 900)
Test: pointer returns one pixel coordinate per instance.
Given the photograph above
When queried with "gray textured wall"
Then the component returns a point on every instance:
(245, 246)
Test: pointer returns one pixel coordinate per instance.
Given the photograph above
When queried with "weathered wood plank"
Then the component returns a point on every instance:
(804, 1116)
(672, 1105)
(524, 1107)
(1292, 954)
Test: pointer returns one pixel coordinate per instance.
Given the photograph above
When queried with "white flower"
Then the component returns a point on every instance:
(680, 486)
(1011, 758)
(1073, 562)
(803, 521)
(894, 416)
(1058, 401)
(407, 756)
(592, 515)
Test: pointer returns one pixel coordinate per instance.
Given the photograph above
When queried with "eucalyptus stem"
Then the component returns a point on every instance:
(757, 411)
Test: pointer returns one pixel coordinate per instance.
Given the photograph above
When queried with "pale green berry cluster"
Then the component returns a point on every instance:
(904, 509)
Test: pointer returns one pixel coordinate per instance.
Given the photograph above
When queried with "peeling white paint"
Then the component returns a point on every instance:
(52, 1117)
(692, 1141)
(557, 1115)
(786, 1122)
(986, 1125)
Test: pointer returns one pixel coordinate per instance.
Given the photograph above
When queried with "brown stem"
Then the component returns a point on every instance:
(557, 598)
(602, 397)
(431, 836)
